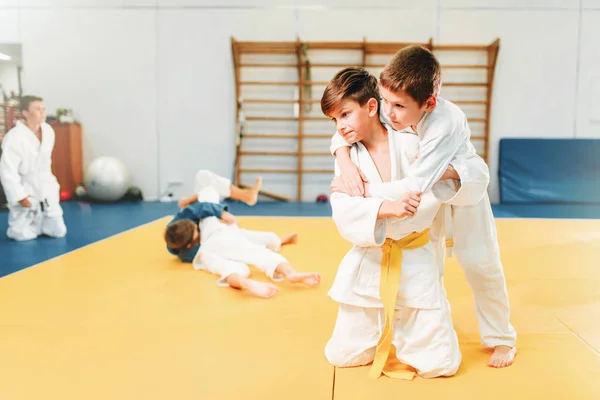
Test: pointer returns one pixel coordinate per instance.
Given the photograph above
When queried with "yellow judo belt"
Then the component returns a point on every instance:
(391, 265)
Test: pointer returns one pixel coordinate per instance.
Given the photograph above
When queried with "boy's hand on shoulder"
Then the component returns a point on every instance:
(351, 181)
(338, 186)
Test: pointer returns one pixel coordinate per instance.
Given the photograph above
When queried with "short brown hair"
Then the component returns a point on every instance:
(352, 83)
(180, 233)
(414, 70)
(26, 102)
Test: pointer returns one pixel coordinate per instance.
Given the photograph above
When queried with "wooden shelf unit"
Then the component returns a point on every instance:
(301, 59)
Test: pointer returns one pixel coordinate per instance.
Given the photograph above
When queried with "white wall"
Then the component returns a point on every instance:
(588, 90)
(152, 81)
(196, 85)
(9, 77)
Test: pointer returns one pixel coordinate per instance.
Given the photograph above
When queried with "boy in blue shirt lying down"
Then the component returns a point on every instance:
(205, 234)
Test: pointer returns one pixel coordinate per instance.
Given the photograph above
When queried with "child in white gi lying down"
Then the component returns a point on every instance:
(207, 235)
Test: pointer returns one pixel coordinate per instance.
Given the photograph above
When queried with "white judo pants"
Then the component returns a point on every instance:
(424, 339)
(476, 248)
(43, 217)
(228, 249)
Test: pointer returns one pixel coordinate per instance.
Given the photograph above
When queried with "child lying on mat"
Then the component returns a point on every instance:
(207, 235)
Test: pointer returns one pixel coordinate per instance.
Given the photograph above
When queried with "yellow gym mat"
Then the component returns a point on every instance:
(122, 319)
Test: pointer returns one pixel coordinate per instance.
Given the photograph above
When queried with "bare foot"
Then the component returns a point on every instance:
(253, 192)
(186, 201)
(308, 278)
(262, 289)
(503, 356)
(292, 238)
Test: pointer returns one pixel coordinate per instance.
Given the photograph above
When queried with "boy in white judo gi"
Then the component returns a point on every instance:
(221, 247)
(32, 191)
(410, 84)
(389, 285)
